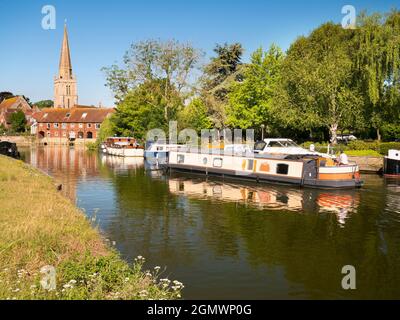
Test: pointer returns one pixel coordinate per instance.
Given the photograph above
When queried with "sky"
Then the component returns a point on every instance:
(101, 31)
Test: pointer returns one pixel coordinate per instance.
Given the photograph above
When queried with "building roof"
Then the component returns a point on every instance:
(7, 103)
(77, 114)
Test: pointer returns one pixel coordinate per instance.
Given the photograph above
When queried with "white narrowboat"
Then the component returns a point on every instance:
(392, 164)
(122, 147)
(303, 170)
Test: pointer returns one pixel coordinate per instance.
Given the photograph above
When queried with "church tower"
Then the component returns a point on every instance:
(65, 91)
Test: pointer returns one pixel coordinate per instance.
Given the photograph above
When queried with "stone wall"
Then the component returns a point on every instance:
(19, 140)
(368, 164)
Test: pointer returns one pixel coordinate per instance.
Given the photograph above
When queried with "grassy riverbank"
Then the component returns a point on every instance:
(39, 227)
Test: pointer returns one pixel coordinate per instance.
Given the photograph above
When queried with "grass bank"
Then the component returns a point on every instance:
(39, 227)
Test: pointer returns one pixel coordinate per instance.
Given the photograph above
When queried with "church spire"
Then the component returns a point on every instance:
(65, 69)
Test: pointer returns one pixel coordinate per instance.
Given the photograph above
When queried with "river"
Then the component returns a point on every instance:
(229, 240)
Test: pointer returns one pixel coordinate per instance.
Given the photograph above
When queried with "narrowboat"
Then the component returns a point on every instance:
(308, 170)
(9, 149)
(122, 147)
(392, 164)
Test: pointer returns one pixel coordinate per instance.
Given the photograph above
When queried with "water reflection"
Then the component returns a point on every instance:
(269, 197)
(225, 239)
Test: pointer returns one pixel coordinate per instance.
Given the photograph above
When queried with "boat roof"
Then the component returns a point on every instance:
(277, 139)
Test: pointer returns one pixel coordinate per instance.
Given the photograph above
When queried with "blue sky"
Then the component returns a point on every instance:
(101, 31)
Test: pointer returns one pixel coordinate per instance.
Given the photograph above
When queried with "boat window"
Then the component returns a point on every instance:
(260, 145)
(181, 158)
(205, 160)
(282, 168)
(217, 162)
(159, 148)
(250, 164)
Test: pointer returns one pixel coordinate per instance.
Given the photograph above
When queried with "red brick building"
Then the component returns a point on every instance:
(12, 105)
(79, 122)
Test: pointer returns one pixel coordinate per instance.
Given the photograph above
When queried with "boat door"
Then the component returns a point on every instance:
(310, 171)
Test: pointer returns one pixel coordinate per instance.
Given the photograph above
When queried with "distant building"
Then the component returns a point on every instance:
(65, 88)
(79, 122)
(67, 119)
(12, 105)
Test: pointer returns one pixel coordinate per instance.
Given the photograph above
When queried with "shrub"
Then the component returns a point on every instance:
(363, 153)
(391, 131)
(386, 146)
(363, 145)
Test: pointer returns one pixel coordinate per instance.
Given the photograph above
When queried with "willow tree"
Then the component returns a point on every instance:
(377, 66)
(317, 88)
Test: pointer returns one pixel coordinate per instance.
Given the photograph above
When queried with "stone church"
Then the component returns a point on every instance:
(68, 120)
(65, 90)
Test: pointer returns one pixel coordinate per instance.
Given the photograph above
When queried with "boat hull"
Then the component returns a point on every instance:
(282, 171)
(391, 167)
(125, 152)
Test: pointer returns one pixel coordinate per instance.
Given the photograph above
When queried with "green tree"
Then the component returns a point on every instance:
(143, 109)
(219, 74)
(107, 129)
(44, 104)
(170, 61)
(377, 67)
(195, 116)
(18, 121)
(317, 88)
(250, 100)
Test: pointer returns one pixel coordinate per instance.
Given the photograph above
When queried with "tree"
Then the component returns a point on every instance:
(143, 109)
(250, 100)
(18, 121)
(195, 116)
(150, 60)
(107, 129)
(44, 104)
(377, 67)
(223, 69)
(317, 88)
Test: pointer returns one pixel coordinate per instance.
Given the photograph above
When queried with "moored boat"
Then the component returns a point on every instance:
(122, 147)
(392, 164)
(9, 149)
(299, 169)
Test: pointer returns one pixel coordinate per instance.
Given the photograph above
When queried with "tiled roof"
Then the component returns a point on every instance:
(77, 114)
(7, 103)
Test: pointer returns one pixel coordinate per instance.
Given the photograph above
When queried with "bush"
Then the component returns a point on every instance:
(363, 145)
(386, 146)
(363, 153)
(390, 132)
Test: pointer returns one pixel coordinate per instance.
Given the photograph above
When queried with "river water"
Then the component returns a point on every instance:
(229, 240)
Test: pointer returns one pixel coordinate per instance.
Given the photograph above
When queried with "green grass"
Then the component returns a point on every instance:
(39, 227)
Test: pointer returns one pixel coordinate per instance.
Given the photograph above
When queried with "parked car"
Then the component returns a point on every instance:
(345, 138)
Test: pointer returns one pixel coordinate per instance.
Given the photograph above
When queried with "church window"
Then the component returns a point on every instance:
(89, 125)
(55, 126)
(81, 125)
(84, 115)
(97, 125)
(64, 126)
